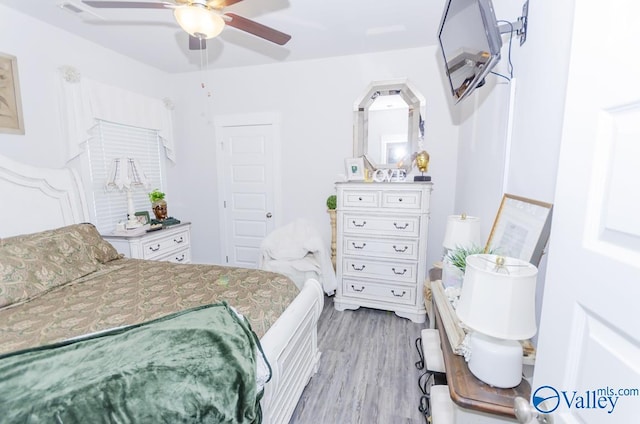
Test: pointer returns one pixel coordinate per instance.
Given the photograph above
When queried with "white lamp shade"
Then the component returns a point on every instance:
(199, 21)
(499, 300)
(461, 231)
(126, 173)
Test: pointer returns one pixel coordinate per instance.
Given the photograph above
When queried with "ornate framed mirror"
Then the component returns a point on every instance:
(388, 122)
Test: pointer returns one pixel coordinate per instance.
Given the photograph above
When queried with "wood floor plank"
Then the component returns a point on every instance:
(367, 370)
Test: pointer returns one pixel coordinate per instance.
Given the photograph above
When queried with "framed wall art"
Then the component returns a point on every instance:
(354, 167)
(521, 229)
(10, 104)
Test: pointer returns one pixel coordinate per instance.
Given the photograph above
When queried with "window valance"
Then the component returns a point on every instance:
(85, 101)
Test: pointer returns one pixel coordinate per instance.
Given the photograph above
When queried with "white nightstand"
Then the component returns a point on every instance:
(171, 244)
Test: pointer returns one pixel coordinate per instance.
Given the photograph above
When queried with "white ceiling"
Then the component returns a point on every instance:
(318, 29)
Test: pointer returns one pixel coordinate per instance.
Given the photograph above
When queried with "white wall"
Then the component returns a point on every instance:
(41, 49)
(540, 69)
(315, 99)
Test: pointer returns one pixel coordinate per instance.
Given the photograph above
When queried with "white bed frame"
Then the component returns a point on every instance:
(37, 199)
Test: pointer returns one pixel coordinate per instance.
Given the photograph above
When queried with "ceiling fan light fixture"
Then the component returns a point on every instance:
(199, 21)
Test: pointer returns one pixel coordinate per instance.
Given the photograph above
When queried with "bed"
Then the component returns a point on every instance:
(98, 298)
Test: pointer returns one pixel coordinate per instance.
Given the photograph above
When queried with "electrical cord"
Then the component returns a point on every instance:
(510, 67)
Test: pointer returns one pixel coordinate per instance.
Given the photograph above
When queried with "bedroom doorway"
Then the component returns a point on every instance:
(247, 151)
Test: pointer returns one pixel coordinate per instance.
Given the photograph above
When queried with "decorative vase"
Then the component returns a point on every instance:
(332, 219)
(159, 208)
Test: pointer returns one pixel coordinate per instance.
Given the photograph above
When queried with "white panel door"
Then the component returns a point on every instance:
(588, 364)
(247, 178)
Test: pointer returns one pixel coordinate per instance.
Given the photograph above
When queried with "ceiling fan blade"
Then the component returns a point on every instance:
(197, 43)
(257, 29)
(127, 5)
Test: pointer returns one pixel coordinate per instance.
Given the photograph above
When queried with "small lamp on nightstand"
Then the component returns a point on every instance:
(498, 304)
(126, 174)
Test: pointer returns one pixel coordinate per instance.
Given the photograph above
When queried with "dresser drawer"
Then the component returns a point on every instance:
(379, 291)
(406, 199)
(179, 257)
(387, 270)
(360, 199)
(385, 248)
(356, 223)
(167, 243)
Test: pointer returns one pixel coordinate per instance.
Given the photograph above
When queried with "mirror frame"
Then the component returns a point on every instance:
(414, 99)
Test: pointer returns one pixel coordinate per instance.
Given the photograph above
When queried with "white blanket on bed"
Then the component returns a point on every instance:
(296, 250)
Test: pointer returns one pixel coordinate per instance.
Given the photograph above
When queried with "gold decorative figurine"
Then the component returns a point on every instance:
(422, 163)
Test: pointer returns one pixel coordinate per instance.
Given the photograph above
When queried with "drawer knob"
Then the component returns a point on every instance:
(359, 225)
(358, 269)
(359, 247)
(155, 249)
(401, 227)
(399, 273)
(357, 290)
(393, 292)
(400, 199)
(180, 258)
(401, 250)
(360, 199)
(178, 241)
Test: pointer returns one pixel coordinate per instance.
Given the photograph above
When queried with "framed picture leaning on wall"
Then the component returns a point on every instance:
(10, 104)
(521, 229)
(354, 167)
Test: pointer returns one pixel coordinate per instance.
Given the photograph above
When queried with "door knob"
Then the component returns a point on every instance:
(269, 215)
(525, 412)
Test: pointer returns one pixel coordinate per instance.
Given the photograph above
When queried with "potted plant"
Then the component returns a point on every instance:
(158, 204)
(332, 202)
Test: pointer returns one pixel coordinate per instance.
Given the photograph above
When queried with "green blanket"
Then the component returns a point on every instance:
(196, 366)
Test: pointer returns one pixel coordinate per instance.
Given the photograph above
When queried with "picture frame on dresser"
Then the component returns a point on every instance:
(354, 169)
(143, 217)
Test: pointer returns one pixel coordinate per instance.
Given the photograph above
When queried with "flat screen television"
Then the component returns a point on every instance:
(470, 42)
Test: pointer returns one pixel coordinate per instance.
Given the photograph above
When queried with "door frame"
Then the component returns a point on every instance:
(272, 118)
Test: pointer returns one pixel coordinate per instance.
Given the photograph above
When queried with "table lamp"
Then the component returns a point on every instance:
(461, 231)
(497, 303)
(126, 174)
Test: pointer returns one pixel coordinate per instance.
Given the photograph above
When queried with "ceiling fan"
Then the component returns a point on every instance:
(202, 19)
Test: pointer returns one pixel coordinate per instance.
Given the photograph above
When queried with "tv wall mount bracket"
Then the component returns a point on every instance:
(519, 26)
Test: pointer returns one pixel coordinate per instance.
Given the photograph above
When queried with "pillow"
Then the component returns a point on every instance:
(99, 248)
(40, 263)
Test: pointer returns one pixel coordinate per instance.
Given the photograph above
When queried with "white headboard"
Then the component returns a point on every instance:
(35, 199)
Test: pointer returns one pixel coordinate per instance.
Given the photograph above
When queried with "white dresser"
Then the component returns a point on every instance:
(171, 244)
(382, 246)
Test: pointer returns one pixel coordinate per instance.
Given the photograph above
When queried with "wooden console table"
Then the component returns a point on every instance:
(469, 392)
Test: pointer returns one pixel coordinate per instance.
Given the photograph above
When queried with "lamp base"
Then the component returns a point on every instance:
(133, 224)
(422, 178)
(497, 362)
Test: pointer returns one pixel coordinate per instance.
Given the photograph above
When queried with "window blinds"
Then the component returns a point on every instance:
(111, 140)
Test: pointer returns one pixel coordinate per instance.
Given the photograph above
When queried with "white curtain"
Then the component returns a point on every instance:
(85, 100)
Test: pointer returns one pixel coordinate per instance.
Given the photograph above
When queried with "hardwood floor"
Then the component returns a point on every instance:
(367, 370)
